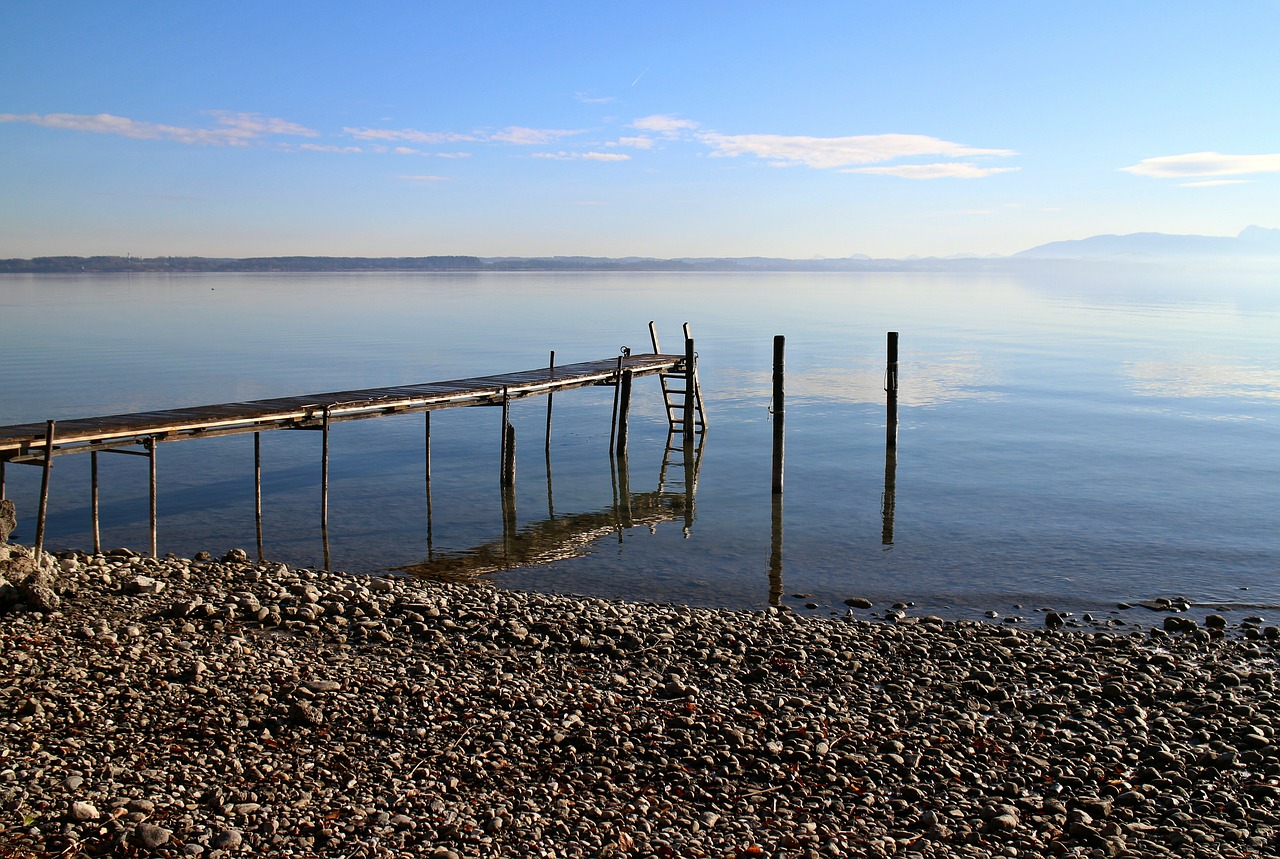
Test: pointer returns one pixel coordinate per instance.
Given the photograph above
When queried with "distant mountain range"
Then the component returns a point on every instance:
(1253, 243)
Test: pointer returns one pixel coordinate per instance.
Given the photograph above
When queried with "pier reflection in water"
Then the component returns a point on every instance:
(559, 537)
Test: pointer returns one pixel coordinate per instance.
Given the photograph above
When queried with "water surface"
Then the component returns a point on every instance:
(1068, 437)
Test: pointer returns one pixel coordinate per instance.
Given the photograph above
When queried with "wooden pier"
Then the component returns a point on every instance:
(140, 433)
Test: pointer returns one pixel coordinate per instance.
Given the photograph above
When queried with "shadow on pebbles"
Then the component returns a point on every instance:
(222, 708)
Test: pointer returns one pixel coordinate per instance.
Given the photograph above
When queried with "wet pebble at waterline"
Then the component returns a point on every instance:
(220, 708)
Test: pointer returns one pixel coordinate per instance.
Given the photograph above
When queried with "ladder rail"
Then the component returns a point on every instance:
(675, 398)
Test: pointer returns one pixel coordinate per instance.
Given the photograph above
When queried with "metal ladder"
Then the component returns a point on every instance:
(678, 386)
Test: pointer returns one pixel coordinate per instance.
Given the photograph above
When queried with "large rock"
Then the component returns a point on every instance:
(23, 579)
(8, 519)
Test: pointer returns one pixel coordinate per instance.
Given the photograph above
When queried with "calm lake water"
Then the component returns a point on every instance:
(1068, 437)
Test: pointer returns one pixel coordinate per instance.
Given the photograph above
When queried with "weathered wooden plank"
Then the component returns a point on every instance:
(221, 418)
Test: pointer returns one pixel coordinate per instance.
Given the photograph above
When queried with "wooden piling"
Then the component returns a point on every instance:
(551, 371)
(93, 501)
(43, 512)
(624, 409)
(617, 390)
(697, 385)
(151, 462)
(502, 437)
(779, 411)
(257, 490)
(509, 457)
(891, 392)
(690, 387)
(427, 469)
(324, 486)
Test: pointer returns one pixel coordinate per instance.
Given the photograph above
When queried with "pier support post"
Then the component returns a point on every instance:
(551, 374)
(509, 457)
(93, 501)
(324, 487)
(43, 512)
(690, 388)
(502, 439)
(257, 490)
(779, 411)
(151, 462)
(427, 445)
(624, 410)
(617, 390)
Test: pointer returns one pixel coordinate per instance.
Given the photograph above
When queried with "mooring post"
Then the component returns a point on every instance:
(324, 486)
(43, 512)
(2, 489)
(624, 410)
(889, 499)
(779, 411)
(257, 490)
(891, 392)
(690, 388)
(551, 375)
(151, 462)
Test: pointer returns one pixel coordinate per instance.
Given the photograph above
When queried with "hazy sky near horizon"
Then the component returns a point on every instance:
(655, 129)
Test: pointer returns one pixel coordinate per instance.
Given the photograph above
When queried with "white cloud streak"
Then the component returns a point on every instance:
(424, 178)
(408, 135)
(955, 170)
(321, 147)
(521, 136)
(233, 129)
(829, 152)
(664, 124)
(583, 156)
(1204, 164)
(633, 142)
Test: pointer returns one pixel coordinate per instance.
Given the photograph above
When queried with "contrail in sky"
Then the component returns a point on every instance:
(642, 74)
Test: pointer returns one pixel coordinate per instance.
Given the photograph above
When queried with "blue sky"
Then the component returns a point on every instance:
(657, 129)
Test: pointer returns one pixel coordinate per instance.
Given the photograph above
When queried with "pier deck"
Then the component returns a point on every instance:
(27, 442)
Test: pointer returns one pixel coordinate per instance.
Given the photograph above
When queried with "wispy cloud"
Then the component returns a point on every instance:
(1205, 164)
(829, 152)
(587, 98)
(408, 135)
(1213, 183)
(421, 178)
(322, 147)
(232, 129)
(633, 142)
(955, 170)
(531, 136)
(583, 156)
(664, 124)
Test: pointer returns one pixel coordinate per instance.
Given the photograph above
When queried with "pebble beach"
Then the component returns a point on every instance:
(221, 707)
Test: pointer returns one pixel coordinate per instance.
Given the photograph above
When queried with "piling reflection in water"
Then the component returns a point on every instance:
(560, 537)
(775, 551)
